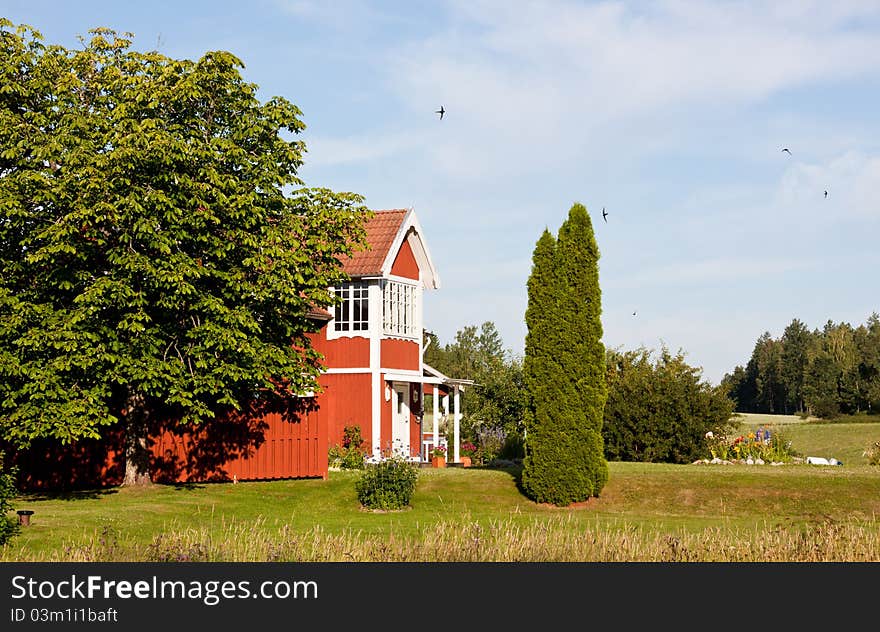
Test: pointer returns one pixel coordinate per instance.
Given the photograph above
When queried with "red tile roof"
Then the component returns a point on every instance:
(382, 228)
(318, 313)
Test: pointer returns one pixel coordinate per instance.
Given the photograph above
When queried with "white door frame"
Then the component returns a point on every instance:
(400, 420)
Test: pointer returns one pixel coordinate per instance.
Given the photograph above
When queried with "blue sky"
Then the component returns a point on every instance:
(672, 115)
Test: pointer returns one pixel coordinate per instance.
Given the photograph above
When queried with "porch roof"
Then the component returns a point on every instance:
(433, 373)
(429, 375)
(409, 376)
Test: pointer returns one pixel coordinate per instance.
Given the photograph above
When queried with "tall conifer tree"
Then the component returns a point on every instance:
(564, 367)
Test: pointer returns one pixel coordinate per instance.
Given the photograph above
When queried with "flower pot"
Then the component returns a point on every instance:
(465, 461)
(438, 461)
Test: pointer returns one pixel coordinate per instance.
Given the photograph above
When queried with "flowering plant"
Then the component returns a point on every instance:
(764, 444)
(468, 449)
(438, 450)
(719, 448)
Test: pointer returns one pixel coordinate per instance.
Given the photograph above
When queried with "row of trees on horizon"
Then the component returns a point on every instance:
(823, 373)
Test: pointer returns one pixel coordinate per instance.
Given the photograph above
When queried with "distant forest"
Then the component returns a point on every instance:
(821, 373)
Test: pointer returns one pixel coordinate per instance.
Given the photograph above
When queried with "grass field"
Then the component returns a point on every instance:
(757, 419)
(645, 512)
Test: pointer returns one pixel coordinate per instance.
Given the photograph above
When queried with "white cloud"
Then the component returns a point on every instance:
(544, 81)
(530, 88)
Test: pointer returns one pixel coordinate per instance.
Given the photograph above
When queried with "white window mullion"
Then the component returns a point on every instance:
(412, 321)
(397, 309)
(352, 313)
(400, 309)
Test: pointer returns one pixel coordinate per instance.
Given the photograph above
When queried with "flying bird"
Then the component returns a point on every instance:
(604, 214)
(826, 193)
(441, 112)
(786, 149)
(634, 313)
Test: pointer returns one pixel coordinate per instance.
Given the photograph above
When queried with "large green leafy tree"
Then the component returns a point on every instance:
(494, 406)
(470, 354)
(660, 410)
(564, 367)
(158, 252)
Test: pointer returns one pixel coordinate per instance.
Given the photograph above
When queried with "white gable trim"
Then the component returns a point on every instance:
(411, 231)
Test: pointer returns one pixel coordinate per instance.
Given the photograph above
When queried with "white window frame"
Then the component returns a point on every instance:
(400, 309)
(344, 322)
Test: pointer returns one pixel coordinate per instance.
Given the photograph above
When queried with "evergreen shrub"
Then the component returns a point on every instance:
(564, 367)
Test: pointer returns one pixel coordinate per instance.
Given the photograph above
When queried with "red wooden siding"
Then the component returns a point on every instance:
(400, 354)
(87, 463)
(346, 401)
(281, 444)
(405, 263)
(342, 352)
(259, 447)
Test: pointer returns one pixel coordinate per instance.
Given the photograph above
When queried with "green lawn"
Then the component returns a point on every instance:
(654, 498)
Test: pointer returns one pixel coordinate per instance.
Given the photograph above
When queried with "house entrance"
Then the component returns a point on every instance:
(400, 421)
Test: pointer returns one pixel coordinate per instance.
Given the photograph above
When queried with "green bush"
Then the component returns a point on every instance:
(490, 442)
(388, 484)
(512, 448)
(8, 526)
(350, 455)
(334, 457)
(353, 460)
(659, 409)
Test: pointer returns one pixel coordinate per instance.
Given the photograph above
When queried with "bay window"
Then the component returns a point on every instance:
(399, 309)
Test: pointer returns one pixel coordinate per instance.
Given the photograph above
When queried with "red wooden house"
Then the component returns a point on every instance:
(373, 345)
(374, 378)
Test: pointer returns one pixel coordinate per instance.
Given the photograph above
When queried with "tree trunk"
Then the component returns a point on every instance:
(137, 456)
